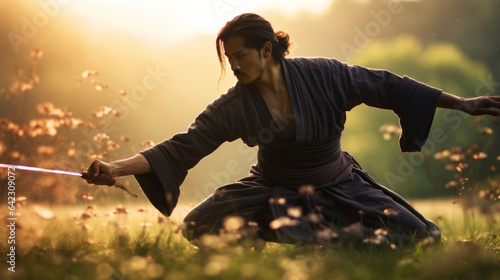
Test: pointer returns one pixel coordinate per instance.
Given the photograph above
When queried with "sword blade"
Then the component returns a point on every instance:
(84, 175)
(37, 169)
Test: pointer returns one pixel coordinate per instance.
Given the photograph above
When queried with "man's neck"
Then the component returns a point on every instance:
(272, 80)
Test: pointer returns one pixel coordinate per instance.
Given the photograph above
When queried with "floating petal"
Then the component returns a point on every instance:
(36, 53)
(277, 200)
(486, 130)
(100, 136)
(147, 144)
(101, 112)
(88, 73)
(3, 148)
(451, 184)
(307, 190)
(294, 212)
(44, 213)
(390, 211)
(282, 222)
(355, 228)
(233, 223)
(479, 155)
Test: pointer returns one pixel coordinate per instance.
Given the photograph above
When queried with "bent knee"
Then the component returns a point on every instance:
(195, 227)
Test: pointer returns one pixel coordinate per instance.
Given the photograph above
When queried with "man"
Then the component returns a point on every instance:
(303, 188)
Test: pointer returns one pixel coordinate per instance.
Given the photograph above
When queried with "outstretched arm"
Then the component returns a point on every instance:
(482, 105)
(102, 173)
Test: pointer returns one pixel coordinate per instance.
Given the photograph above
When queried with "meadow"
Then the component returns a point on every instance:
(134, 241)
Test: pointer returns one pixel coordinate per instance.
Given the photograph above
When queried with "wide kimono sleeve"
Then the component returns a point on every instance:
(414, 102)
(172, 158)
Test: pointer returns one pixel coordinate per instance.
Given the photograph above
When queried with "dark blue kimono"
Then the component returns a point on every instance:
(342, 194)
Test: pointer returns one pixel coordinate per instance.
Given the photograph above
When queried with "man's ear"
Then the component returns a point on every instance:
(267, 50)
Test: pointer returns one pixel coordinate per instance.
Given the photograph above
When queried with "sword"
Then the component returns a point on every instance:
(81, 175)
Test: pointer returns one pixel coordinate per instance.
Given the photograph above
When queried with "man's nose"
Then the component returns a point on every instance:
(235, 66)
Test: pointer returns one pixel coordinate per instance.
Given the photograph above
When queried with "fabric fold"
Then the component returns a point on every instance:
(421, 103)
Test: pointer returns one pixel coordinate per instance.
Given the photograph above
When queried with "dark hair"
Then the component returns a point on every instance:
(256, 31)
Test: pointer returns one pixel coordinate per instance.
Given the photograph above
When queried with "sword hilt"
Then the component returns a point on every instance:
(116, 184)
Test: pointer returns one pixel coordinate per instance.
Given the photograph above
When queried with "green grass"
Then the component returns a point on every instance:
(142, 245)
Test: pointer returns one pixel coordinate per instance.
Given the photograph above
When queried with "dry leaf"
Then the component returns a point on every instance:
(3, 148)
(314, 218)
(326, 234)
(89, 73)
(479, 155)
(86, 196)
(355, 228)
(100, 87)
(23, 87)
(101, 112)
(277, 200)
(457, 157)
(120, 210)
(100, 136)
(147, 144)
(46, 150)
(44, 213)
(233, 223)
(486, 130)
(111, 145)
(451, 184)
(33, 79)
(282, 222)
(307, 190)
(294, 212)
(85, 216)
(381, 231)
(389, 130)
(36, 53)
(390, 211)
(442, 155)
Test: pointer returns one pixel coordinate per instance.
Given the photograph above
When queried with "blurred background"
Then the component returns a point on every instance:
(107, 78)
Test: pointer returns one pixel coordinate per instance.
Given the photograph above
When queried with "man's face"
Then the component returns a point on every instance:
(246, 63)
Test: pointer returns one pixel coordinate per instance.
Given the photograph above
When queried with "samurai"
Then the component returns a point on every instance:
(303, 188)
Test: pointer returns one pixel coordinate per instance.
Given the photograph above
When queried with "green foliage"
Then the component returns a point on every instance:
(478, 36)
(441, 65)
(471, 25)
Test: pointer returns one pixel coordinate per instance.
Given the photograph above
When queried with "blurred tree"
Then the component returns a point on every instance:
(478, 36)
(443, 66)
(472, 25)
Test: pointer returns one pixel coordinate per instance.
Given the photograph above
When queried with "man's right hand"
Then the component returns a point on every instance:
(100, 173)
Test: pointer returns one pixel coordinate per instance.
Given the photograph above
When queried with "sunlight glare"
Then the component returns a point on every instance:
(173, 21)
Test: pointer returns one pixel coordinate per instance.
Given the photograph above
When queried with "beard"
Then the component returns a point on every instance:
(259, 76)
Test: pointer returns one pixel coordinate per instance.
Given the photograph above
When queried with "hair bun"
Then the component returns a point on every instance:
(283, 42)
